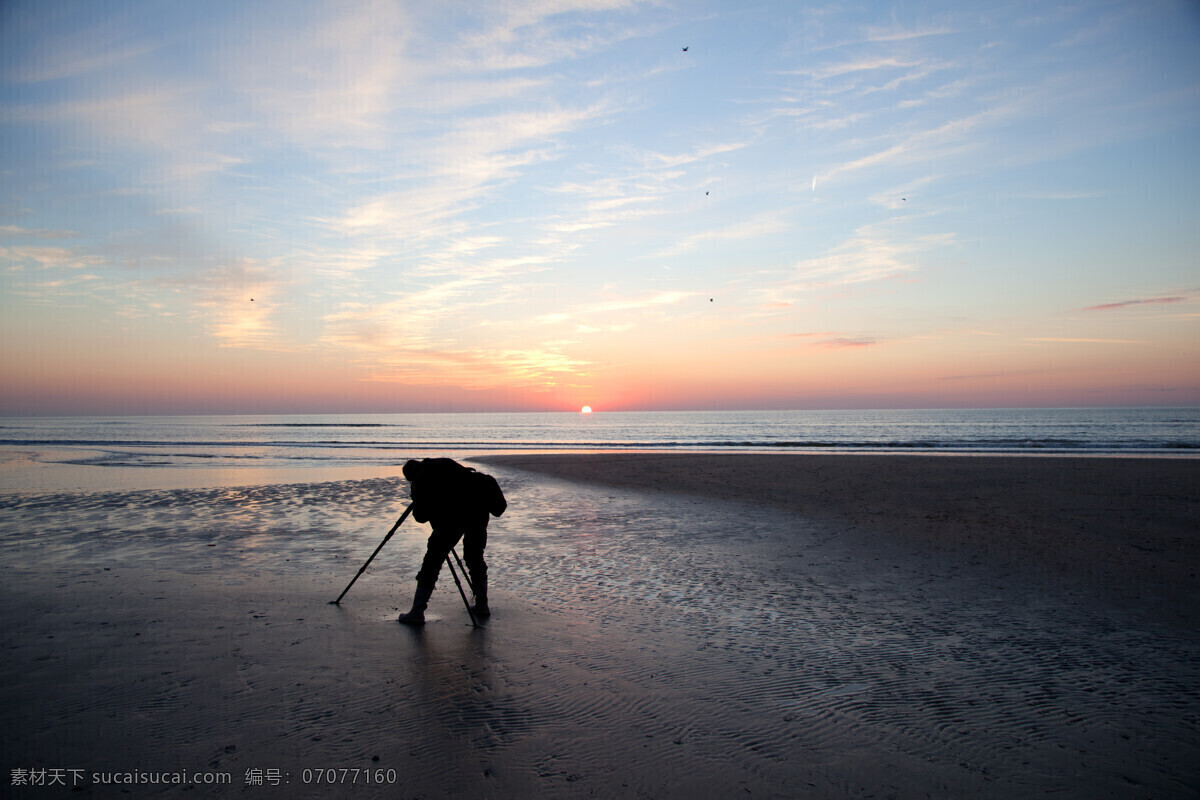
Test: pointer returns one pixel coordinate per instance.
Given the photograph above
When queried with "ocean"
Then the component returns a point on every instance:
(116, 452)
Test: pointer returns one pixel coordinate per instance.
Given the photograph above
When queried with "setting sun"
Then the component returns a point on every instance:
(585, 410)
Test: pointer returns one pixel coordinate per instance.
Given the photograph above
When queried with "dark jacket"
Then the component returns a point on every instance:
(448, 494)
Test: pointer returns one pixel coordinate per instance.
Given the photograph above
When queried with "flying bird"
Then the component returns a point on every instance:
(685, 49)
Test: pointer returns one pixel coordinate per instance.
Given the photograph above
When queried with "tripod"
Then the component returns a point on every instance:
(449, 563)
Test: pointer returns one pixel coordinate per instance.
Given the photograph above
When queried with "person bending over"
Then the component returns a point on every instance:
(456, 500)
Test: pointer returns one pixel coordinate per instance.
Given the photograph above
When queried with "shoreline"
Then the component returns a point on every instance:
(25, 470)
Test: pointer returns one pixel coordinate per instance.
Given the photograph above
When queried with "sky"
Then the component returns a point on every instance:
(334, 207)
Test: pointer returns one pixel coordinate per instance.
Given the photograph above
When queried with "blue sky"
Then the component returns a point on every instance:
(378, 206)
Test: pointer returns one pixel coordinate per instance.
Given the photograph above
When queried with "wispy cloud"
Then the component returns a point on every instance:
(164, 117)
(1062, 195)
(47, 257)
(466, 167)
(1080, 340)
(331, 83)
(419, 338)
(875, 252)
(615, 307)
(808, 335)
(73, 289)
(537, 368)
(635, 303)
(82, 52)
(894, 33)
(762, 225)
(993, 375)
(639, 188)
(238, 304)
(17, 232)
(954, 137)
(1128, 303)
(604, 214)
(868, 64)
(541, 32)
(842, 342)
(653, 160)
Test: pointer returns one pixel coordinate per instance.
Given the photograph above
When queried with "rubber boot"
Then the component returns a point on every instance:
(480, 609)
(420, 602)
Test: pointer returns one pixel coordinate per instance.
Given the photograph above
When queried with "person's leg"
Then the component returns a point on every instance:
(436, 550)
(474, 542)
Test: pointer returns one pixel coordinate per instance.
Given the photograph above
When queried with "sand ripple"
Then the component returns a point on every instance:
(796, 652)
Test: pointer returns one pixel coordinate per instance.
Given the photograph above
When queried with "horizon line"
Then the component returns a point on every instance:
(595, 411)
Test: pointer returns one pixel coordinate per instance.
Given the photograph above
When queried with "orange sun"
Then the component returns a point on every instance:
(585, 410)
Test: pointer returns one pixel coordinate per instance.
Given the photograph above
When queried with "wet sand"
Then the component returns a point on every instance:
(1127, 526)
(664, 626)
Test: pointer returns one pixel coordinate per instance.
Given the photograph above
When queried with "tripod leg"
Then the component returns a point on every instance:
(470, 613)
(403, 517)
(466, 575)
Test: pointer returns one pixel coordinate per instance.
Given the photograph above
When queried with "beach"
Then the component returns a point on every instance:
(665, 625)
(1124, 526)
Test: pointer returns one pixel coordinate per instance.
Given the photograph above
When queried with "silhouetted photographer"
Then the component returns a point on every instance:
(456, 500)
